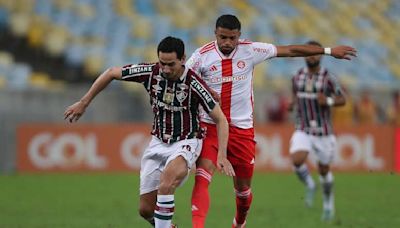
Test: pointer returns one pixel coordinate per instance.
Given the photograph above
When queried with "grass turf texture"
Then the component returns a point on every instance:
(111, 200)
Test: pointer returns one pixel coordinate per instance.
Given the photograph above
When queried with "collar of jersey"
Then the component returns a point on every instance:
(230, 56)
(181, 78)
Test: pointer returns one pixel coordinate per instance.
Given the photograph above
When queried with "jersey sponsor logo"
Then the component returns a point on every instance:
(261, 50)
(140, 69)
(228, 79)
(168, 106)
(241, 64)
(201, 90)
(306, 95)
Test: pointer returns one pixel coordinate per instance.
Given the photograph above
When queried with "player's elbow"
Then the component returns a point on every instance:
(113, 73)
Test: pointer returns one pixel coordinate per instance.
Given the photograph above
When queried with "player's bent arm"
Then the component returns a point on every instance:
(75, 111)
(222, 128)
(339, 100)
(340, 52)
(101, 82)
(223, 163)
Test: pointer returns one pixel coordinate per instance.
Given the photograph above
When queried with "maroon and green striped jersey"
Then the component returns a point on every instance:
(175, 103)
(311, 117)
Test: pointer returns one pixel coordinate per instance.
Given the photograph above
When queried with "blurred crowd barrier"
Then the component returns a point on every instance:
(118, 106)
(119, 147)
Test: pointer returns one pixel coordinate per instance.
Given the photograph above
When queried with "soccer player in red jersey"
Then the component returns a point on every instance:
(227, 66)
(176, 93)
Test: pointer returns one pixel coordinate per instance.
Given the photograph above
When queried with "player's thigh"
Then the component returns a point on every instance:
(241, 146)
(241, 153)
(151, 166)
(185, 153)
(300, 141)
(325, 148)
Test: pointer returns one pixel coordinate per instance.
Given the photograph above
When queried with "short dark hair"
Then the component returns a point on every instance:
(172, 44)
(313, 42)
(228, 21)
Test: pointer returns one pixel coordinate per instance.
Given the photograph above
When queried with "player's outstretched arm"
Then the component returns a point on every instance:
(75, 111)
(339, 52)
(223, 163)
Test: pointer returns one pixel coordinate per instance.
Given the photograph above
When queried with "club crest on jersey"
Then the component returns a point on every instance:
(241, 64)
(181, 95)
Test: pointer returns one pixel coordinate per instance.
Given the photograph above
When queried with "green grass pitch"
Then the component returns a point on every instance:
(111, 200)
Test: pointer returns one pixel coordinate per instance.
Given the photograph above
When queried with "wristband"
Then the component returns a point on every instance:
(327, 51)
(330, 101)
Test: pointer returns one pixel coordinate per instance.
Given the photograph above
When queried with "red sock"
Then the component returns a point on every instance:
(200, 198)
(243, 202)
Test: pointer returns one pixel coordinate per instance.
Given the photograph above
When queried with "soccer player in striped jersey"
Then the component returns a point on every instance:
(227, 66)
(176, 94)
(315, 91)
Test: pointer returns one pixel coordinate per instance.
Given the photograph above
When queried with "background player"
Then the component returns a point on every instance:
(176, 93)
(315, 91)
(227, 66)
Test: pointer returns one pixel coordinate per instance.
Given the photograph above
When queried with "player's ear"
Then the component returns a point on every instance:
(183, 59)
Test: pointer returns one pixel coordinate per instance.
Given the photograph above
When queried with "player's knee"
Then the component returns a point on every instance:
(299, 158)
(323, 170)
(206, 165)
(168, 185)
(146, 211)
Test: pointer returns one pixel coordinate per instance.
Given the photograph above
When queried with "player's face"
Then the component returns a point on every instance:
(171, 67)
(313, 61)
(227, 39)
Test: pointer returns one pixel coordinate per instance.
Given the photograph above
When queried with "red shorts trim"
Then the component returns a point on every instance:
(241, 148)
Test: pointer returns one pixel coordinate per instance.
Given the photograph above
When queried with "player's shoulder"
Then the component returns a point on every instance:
(299, 72)
(139, 68)
(206, 48)
(245, 42)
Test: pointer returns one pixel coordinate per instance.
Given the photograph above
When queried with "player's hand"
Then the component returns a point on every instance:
(75, 111)
(321, 98)
(344, 52)
(225, 166)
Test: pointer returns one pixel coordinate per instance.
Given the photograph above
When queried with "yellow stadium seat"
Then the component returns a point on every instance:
(37, 31)
(19, 24)
(142, 28)
(56, 40)
(93, 65)
(6, 59)
(39, 79)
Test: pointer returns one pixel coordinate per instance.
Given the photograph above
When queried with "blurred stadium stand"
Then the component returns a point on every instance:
(48, 46)
(88, 35)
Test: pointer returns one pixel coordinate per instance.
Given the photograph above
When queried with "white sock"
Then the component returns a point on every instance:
(164, 211)
(327, 190)
(304, 175)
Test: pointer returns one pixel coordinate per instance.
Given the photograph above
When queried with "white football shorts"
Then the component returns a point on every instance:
(158, 154)
(324, 147)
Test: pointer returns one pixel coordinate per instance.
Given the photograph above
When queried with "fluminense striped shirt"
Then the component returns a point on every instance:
(311, 117)
(175, 103)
